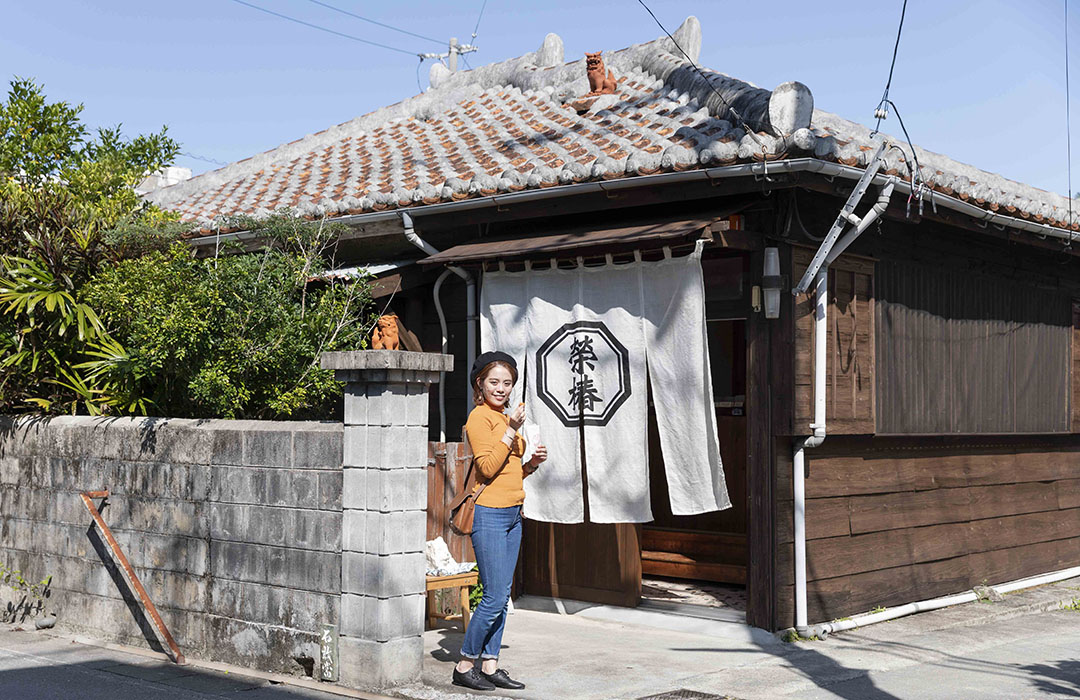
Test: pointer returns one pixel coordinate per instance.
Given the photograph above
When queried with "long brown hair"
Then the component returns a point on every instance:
(477, 393)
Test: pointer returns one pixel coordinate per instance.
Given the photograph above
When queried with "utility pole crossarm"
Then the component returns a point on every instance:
(455, 50)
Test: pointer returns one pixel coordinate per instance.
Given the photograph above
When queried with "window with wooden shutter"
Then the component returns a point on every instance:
(850, 394)
(1074, 379)
(964, 353)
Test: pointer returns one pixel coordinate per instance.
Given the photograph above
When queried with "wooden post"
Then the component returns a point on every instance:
(759, 471)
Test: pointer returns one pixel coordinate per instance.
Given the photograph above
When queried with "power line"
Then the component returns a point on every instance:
(474, 31)
(1068, 121)
(479, 17)
(371, 21)
(882, 110)
(916, 173)
(324, 29)
(189, 154)
(742, 122)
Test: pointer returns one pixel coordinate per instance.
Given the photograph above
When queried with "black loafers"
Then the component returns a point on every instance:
(473, 679)
(502, 679)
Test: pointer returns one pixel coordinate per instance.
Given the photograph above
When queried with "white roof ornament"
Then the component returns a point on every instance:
(791, 106)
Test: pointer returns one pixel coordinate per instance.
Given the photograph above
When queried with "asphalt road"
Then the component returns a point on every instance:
(1035, 656)
(34, 666)
(942, 655)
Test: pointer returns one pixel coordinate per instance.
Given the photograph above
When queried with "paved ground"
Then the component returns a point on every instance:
(35, 666)
(1026, 646)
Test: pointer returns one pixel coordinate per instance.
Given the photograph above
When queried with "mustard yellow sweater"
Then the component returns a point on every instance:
(484, 431)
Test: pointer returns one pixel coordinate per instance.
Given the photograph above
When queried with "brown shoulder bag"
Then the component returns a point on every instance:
(463, 508)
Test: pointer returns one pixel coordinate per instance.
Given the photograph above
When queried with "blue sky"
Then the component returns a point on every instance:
(980, 81)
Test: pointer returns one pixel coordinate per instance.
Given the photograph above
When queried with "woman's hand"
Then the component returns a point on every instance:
(517, 417)
(539, 455)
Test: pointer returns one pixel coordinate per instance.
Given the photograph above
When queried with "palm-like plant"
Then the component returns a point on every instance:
(52, 331)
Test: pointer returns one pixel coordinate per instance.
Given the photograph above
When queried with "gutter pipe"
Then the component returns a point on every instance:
(442, 375)
(823, 630)
(821, 287)
(757, 170)
(470, 313)
(798, 461)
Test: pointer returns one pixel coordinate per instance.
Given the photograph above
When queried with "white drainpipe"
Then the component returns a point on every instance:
(442, 375)
(821, 327)
(821, 307)
(823, 630)
(470, 315)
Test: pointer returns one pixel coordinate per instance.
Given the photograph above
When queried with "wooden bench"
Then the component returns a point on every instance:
(459, 581)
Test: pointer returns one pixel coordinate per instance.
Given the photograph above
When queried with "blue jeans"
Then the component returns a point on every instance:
(496, 539)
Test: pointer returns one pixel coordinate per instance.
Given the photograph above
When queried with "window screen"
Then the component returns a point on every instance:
(962, 353)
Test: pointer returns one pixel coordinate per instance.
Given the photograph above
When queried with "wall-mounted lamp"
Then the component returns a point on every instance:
(772, 283)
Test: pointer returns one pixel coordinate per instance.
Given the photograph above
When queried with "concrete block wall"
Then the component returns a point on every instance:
(234, 528)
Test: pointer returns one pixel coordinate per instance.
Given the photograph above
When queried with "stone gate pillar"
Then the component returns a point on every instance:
(384, 523)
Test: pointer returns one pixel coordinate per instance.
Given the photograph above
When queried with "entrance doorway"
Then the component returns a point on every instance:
(702, 559)
(699, 560)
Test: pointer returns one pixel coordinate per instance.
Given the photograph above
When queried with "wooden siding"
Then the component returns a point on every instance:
(1074, 395)
(894, 520)
(850, 393)
(447, 463)
(593, 562)
(963, 353)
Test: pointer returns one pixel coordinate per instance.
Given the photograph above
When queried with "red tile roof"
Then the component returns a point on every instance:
(513, 125)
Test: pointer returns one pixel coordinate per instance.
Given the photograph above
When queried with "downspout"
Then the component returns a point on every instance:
(470, 312)
(442, 375)
(821, 293)
(821, 301)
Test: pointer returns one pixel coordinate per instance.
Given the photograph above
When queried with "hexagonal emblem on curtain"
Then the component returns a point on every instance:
(583, 373)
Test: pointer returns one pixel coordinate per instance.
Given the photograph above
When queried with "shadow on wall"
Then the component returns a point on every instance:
(149, 632)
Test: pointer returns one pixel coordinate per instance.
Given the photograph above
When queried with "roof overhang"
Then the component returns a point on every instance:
(383, 223)
(582, 241)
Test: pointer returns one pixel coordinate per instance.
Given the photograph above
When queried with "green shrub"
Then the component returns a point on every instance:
(237, 336)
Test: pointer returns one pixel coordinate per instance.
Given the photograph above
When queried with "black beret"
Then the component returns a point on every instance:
(485, 359)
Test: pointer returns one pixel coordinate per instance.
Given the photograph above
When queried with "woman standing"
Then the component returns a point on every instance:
(496, 537)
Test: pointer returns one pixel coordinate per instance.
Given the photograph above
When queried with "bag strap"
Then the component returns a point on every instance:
(470, 480)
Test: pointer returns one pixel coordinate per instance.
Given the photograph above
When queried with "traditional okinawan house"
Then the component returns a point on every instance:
(902, 428)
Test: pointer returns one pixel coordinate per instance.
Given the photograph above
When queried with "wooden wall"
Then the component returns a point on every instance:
(895, 520)
(970, 353)
(447, 464)
(595, 562)
(850, 393)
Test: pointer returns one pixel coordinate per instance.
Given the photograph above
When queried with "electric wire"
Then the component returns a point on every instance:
(1068, 124)
(882, 111)
(879, 112)
(372, 21)
(324, 29)
(742, 122)
(191, 155)
(916, 173)
(478, 18)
